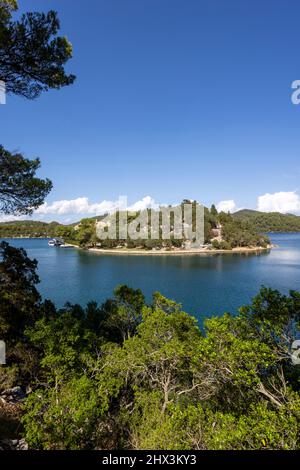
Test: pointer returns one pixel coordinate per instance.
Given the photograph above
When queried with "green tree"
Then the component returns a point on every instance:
(20, 190)
(71, 410)
(166, 385)
(32, 55)
(215, 244)
(123, 314)
(66, 418)
(20, 306)
(213, 211)
(85, 233)
(32, 59)
(19, 297)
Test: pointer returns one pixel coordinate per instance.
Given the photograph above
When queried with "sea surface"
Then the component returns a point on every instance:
(205, 285)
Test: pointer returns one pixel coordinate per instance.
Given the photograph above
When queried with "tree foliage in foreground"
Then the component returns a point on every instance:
(32, 60)
(32, 55)
(20, 190)
(130, 375)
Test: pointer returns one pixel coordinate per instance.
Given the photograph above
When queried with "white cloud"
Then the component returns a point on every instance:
(68, 210)
(227, 206)
(146, 203)
(283, 201)
(82, 206)
(11, 218)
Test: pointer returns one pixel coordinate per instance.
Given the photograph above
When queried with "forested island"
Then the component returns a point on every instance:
(222, 231)
(81, 233)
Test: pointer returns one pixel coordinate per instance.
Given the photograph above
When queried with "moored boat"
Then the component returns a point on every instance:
(56, 242)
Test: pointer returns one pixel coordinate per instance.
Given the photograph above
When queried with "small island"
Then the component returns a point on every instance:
(223, 233)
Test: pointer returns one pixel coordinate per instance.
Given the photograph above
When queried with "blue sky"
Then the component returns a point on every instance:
(173, 99)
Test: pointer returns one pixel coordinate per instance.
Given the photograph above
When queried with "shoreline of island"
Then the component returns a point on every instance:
(195, 251)
(141, 252)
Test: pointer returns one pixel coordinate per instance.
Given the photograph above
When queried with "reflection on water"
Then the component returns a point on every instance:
(204, 284)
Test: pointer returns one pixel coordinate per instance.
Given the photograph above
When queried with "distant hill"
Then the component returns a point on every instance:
(37, 229)
(28, 228)
(269, 221)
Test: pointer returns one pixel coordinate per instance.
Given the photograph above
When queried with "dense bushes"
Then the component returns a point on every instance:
(236, 233)
(131, 375)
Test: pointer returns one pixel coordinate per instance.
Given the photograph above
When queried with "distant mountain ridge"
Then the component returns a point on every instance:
(269, 221)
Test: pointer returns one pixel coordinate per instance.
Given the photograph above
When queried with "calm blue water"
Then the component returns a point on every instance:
(205, 284)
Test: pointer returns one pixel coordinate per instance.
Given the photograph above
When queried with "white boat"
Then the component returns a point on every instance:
(55, 242)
